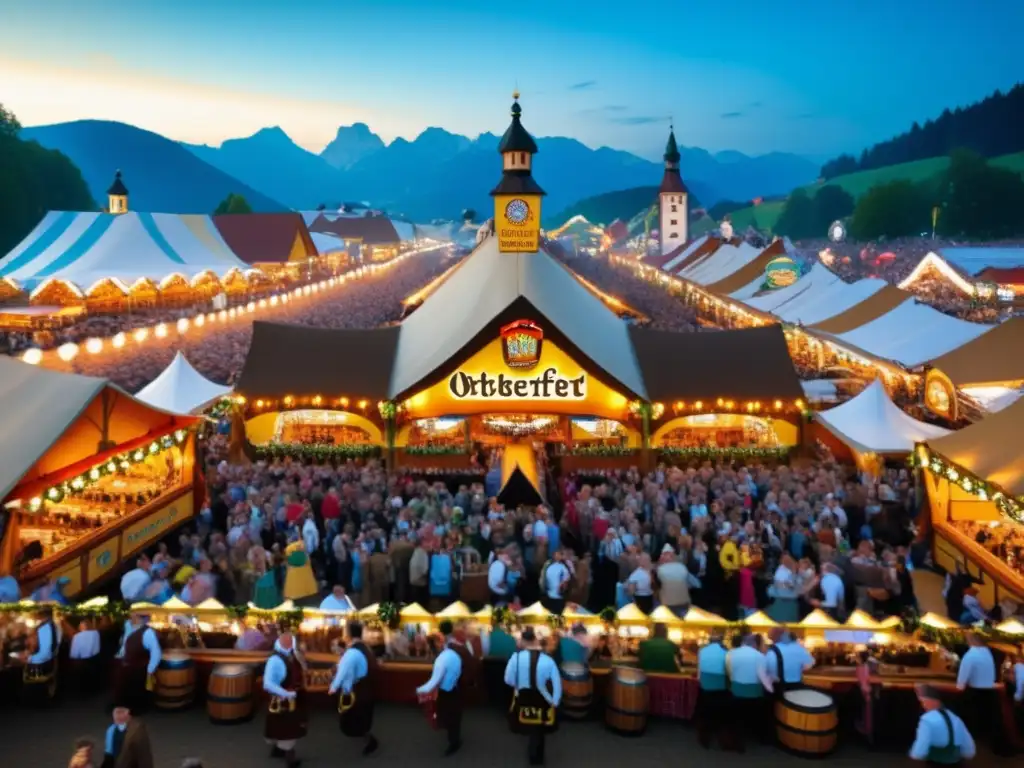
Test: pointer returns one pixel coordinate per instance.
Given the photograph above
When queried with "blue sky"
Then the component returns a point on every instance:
(800, 76)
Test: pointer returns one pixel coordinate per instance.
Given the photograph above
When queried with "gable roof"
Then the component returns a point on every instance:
(872, 423)
(369, 230)
(486, 284)
(180, 388)
(879, 303)
(700, 248)
(994, 357)
(751, 272)
(991, 448)
(264, 238)
(298, 360)
(747, 364)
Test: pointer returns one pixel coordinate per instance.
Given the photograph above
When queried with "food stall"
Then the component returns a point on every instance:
(89, 476)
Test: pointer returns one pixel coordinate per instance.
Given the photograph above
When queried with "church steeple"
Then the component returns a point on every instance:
(673, 198)
(117, 196)
(517, 196)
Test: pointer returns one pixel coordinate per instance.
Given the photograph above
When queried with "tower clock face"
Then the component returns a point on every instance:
(517, 211)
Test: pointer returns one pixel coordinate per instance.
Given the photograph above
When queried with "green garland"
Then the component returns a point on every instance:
(609, 616)
(601, 450)
(434, 450)
(556, 621)
(504, 618)
(388, 409)
(341, 452)
(1011, 507)
(389, 615)
(713, 454)
(114, 465)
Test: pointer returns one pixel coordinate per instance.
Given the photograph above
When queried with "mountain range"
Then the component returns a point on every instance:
(436, 175)
(161, 175)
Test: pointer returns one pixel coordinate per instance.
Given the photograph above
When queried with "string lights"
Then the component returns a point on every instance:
(984, 490)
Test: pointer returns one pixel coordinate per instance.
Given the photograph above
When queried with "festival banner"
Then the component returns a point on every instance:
(517, 223)
(153, 526)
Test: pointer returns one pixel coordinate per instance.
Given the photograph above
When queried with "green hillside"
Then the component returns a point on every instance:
(765, 215)
(604, 209)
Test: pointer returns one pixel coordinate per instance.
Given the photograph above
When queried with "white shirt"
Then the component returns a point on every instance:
(555, 575)
(85, 644)
(833, 590)
(149, 641)
(311, 536)
(540, 530)
(932, 732)
(517, 675)
(133, 584)
(351, 669)
(331, 603)
(497, 576)
(784, 583)
(45, 634)
(274, 674)
(840, 515)
(977, 669)
(447, 670)
(641, 580)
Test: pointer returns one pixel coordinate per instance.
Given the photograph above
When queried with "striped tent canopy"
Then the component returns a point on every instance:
(83, 249)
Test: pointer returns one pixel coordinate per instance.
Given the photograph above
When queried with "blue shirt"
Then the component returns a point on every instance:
(744, 663)
(149, 641)
(46, 643)
(447, 670)
(274, 674)
(108, 741)
(977, 669)
(933, 733)
(711, 670)
(794, 659)
(351, 669)
(549, 680)
(554, 537)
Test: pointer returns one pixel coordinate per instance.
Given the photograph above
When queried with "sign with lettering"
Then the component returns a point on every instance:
(72, 571)
(102, 559)
(549, 385)
(153, 526)
(517, 223)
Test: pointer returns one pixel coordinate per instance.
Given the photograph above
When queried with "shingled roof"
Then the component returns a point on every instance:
(264, 238)
(369, 230)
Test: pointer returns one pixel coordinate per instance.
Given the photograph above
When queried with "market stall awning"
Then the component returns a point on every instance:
(990, 449)
(992, 358)
(872, 423)
(180, 388)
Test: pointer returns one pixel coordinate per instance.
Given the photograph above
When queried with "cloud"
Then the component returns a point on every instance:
(730, 115)
(603, 110)
(637, 120)
(583, 85)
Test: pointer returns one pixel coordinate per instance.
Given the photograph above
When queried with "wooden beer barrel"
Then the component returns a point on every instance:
(175, 681)
(577, 691)
(807, 722)
(627, 702)
(229, 696)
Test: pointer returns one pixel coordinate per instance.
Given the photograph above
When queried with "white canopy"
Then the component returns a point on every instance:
(722, 263)
(675, 261)
(182, 389)
(815, 281)
(815, 306)
(326, 243)
(872, 423)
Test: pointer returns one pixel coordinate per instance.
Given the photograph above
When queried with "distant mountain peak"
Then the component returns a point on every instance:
(350, 145)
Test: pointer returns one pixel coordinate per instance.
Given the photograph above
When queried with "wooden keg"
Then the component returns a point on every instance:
(807, 722)
(229, 696)
(627, 701)
(577, 691)
(175, 681)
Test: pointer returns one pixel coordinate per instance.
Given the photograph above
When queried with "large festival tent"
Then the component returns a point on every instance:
(965, 266)
(719, 265)
(85, 249)
(871, 423)
(180, 388)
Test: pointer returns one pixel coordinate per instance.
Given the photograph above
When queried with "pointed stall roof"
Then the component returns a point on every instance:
(872, 423)
(488, 283)
(993, 358)
(180, 388)
(118, 187)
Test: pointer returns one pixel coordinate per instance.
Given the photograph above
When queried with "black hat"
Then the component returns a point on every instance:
(446, 627)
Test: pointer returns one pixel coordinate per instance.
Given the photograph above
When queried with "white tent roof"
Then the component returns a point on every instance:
(872, 423)
(406, 231)
(720, 264)
(327, 243)
(482, 287)
(83, 248)
(913, 334)
(814, 306)
(670, 265)
(817, 279)
(976, 260)
(180, 388)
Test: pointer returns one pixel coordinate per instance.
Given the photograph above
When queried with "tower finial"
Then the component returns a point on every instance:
(515, 93)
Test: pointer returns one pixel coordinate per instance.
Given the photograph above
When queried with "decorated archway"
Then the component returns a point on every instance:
(725, 430)
(313, 426)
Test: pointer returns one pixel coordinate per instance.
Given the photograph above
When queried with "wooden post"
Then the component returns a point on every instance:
(390, 434)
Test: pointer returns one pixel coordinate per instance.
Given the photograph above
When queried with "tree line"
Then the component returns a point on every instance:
(33, 181)
(990, 127)
(971, 199)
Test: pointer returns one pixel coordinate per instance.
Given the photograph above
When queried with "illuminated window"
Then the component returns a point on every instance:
(674, 207)
(673, 222)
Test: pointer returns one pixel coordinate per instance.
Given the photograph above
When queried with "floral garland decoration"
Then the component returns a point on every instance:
(705, 454)
(114, 465)
(1011, 507)
(601, 449)
(388, 409)
(434, 450)
(317, 452)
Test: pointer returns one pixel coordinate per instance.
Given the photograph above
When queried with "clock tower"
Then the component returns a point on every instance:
(673, 198)
(517, 197)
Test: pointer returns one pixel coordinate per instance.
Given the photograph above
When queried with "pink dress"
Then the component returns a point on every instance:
(747, 598)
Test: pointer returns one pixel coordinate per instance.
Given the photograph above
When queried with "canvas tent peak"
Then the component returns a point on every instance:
(180, 388)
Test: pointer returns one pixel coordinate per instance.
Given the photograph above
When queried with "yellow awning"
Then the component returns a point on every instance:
(484, 614)
(369, 612)
(760, 620)
(457, 610)
(174, 604)
(630, 614)
(818, 619)
(861, 620)
(1011, 627)
(890, 623)
(698, 616)
(211, 605)
(535, 611)
(415, 612)
(664, 615)
(935, 621)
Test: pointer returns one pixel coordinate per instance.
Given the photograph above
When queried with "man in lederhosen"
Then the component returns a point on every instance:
(284, 679)
(140, 656)
(445, 683)
(537, 684)
(713, 698)
(40, 674)
(786, 660)
(748, 682)
(354, 679)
